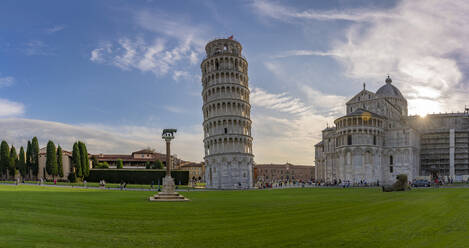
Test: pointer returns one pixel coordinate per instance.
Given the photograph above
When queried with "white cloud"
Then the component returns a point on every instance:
(285, 128)
(288, 138)
(6, 81)
(9, 108)
(101, 138)
(277, 11)
(290, 53)
(419, 43)
(55, 29)
(279, 102)
(174, 109)
(324, 104)
(177, 44)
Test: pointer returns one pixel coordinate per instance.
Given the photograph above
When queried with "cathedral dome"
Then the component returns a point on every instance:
(389, 90)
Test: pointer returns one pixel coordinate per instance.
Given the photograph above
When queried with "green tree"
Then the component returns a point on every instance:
(157, 164)
(51, 159)
(76, 160)
(12, 163)
(21, 164)
(28, 159)
(103, 165)
(35, 156)
(85, 162)
(95, 161)
(60, 163)
(120, 164)
(4, 158)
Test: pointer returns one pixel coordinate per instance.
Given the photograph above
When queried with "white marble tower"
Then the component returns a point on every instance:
(226, 110)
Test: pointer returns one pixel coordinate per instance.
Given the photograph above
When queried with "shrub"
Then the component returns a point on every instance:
(143, 176)
(103, 165)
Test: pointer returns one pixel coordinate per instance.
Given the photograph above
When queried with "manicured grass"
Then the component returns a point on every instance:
(32, 216)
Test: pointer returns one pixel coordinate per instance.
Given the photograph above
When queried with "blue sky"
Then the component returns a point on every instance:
(114, 73)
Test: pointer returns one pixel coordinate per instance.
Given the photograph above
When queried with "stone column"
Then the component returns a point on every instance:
(169, 163)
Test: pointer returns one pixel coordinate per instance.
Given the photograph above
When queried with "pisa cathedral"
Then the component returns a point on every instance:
(226, 110)
(377, 140)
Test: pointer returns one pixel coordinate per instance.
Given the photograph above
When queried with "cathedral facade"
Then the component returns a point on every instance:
(376, 140)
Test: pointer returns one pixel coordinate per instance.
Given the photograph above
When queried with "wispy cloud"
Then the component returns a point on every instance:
(101, 138)
(10, 109)
(291, 53)
(55, 29)
(280, 102)
(6, 81)
(176, 44)
(281, 12)
(174, 109)
(284, 125)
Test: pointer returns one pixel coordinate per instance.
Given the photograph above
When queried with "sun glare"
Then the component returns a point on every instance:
(423, 107)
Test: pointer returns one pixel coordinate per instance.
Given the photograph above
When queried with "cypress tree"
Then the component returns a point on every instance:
(76, 160)
(120, 164)
(28, 159)
(51, 159)
(95, 161)
(21, 164)
(35, 156)
(4, 158)
(60, 163)
(12, 164)
(85, 162)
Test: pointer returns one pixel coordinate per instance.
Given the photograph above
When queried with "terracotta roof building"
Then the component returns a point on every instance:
(138, 159)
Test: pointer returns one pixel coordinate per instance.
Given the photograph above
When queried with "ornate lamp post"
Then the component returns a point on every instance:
(168, 193)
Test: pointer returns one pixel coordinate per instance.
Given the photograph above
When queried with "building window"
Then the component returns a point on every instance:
(226, 130)
(349, 139)
(391, 160)
(391, 169)
(374, 139)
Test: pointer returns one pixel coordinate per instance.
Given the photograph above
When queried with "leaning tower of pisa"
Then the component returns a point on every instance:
(226, 109)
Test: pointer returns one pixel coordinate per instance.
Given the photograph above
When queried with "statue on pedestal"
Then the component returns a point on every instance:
(168, 193)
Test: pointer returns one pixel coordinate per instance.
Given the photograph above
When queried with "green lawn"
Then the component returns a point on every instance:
(32, 216)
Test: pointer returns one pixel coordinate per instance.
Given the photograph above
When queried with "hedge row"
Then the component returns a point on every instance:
(143, 176)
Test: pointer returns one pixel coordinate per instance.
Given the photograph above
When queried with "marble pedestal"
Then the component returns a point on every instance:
(168, 193)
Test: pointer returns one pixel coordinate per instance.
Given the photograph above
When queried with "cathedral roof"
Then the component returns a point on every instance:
(389, 90)
(362, 112)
